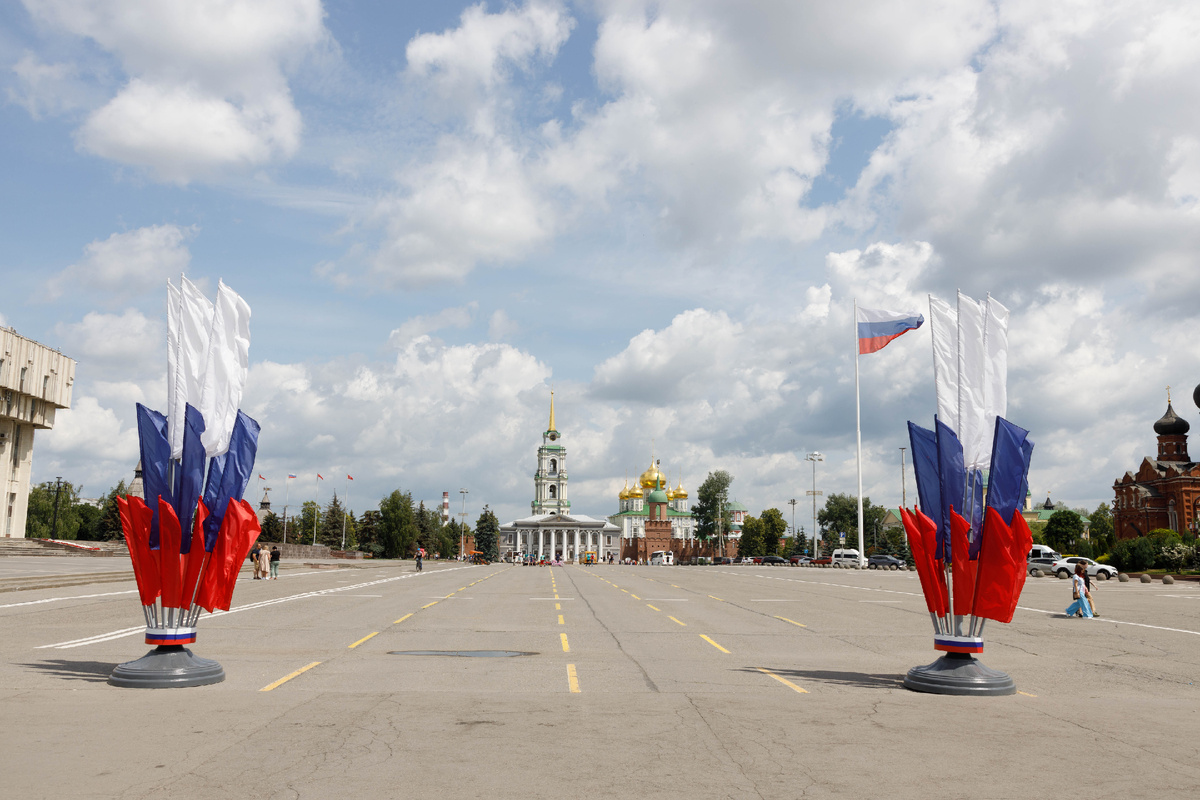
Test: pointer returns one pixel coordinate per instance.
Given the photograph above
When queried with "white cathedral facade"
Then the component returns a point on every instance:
(552, 531)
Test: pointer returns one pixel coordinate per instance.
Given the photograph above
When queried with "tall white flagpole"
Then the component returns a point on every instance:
(287, 485)
(858, 429)
(344, 513)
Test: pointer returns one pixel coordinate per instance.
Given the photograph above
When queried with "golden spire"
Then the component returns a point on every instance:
(552, 428)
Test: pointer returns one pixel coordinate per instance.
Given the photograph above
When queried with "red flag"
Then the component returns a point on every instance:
(964, 568)
(349, 477)
(260, 477)
(924, 567)
(1022, 541)
(998, 573)
(212, 580)
(319, 477)
(137, 537)
(928, 537)
(243, 530)
(195, 557)
(169, 537)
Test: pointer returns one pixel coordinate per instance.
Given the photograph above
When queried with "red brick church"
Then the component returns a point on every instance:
(1164, 491)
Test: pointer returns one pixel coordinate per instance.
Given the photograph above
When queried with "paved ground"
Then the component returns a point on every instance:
(736, 682)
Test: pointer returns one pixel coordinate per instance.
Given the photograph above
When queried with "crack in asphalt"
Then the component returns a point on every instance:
(650, 684)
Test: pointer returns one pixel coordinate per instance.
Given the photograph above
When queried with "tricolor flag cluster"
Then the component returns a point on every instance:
(188, 539)
(956, 537)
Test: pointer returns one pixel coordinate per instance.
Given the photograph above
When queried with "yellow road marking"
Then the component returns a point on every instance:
(675, 586)
(572, 679)
(798, 624)
(363, 639)
(714, 644)
(462, 588)
(556, 597)
(566, 647)
(447, 597)
(558, 606)
(287, 678)
(626, 591)
(1027, 694)
(684, 624)
(634, 596)
(406, 616)
(784, 681)
(427, 605)
(560, 620)
(650, 606)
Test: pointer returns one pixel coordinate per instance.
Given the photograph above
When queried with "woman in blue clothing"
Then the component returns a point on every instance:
(1080, 593)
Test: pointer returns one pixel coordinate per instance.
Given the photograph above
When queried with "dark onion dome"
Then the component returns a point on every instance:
(1171, 424)
(1196, 395)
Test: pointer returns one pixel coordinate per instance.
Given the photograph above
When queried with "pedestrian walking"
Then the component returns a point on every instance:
(275, 556)
(264, 562)
(1079, 592)
(254, 560)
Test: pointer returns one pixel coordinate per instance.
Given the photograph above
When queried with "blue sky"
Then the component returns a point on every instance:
(663, 210)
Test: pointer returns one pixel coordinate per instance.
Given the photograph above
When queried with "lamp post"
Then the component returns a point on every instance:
(57, 492)
(814, 458)
(795, 535)
(462, 526)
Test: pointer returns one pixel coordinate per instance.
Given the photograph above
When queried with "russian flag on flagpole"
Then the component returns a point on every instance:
(877, 327)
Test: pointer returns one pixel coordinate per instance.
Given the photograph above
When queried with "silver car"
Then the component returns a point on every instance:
(1066, 566)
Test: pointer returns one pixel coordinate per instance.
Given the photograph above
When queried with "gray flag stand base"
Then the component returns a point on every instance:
(960, 674)
(167, 666)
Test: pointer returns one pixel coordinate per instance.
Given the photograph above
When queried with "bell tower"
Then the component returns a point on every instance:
(550, 479)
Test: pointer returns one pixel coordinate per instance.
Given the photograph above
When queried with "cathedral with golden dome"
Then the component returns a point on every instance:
(651, 509)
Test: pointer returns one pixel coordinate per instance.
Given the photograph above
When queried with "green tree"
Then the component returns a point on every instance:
(751, 541)
(368, 533)
(712, 521)
(487, 533)
(840, 515)
(1063, 529)
(302, 526)
(89, 521)
(108, 527)
(774, 527)
(397, 525)
(39, 523)
(1101, 529)
(272, 528)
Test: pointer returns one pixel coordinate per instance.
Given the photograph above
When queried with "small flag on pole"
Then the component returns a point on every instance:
(320, 477)
(290, 475)
(349, 477)
(260, 477)
(877, 327)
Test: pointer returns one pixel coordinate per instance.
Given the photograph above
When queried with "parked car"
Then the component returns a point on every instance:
(1042, 551)
(1066, 566)
(743, 560)
(823, 560)
(773, 560)
(800, 561)
(845, 556)
(1044, 564)
(879, 560)
(722, 560)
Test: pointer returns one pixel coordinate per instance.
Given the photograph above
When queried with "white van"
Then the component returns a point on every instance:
(1042, 551)
(662, 558)
(845, 556)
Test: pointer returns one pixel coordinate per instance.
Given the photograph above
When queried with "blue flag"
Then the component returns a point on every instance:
(229, 474)
(925, 465)
(952, 479)
(191, 475)
(156, 455)
(1010, 468)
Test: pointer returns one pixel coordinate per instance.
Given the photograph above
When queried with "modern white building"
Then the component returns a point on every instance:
(35, 381)
(553, 531)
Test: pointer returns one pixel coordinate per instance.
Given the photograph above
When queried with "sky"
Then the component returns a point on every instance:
(662, 211)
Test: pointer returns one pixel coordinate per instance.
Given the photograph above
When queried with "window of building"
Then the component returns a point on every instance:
(45, 384)
(553, 466)
(21, 387)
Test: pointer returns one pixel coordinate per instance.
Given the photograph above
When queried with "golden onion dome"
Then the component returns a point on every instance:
(680, 493)
(652, 478)
(635, 492)
(670, 494)
(624, 493)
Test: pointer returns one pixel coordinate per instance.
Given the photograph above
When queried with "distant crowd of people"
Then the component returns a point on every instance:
(265, 562)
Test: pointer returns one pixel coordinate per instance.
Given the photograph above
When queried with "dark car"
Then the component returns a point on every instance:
(885, 561)
(722, 560)
(770, 560)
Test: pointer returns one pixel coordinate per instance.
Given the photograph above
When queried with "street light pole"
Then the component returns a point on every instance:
(462, 526)
(814, 458)
(795, 534)
(57, 492)
(903, 481)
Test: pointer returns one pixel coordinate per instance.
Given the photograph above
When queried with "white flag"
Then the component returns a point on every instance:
(972, 368)
(174, 380)
(227, 366)
(943, 321)
(191, 360)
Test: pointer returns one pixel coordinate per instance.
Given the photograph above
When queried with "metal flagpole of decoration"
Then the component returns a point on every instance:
(287, 486)
(974, 565)
(188, 538)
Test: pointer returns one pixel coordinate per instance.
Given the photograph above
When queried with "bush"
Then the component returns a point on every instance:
(1134, 555)
(1175, 559)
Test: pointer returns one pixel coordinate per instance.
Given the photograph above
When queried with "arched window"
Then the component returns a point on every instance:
(553, 492)
(553, 466)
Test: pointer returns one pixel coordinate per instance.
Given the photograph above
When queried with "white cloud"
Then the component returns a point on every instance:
(459, 317)
(129, 339)
(207, 87)
(48, 89)
(132, 262)
(501, 325)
